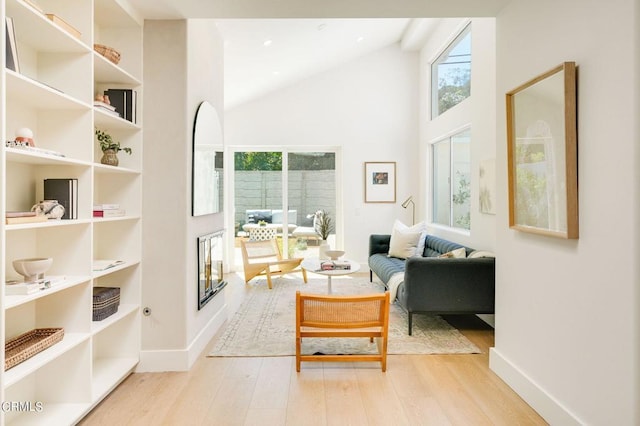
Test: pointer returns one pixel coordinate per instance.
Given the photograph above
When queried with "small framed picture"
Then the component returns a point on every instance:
(11, 46)
(380, 182)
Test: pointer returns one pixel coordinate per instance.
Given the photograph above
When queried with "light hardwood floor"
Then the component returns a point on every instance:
(415, 390)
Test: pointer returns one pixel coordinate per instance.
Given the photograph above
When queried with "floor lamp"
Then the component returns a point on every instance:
(406, 203)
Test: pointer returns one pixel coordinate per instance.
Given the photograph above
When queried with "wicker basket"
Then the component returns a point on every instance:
(26, 345)
(108, 52)
(105, 302)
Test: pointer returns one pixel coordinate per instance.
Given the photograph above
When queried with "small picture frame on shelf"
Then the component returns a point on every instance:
(11, 48)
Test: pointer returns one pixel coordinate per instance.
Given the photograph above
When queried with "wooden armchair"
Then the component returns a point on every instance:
(264, 258)
(343, 316)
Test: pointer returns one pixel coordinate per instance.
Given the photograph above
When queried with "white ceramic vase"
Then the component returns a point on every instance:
(322, 250)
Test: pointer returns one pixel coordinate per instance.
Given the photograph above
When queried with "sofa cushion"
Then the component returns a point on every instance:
(458, 253)
(481, 253)
(418, 227)
(255, 216)
(403, 244)
(385, 266)
(435, 246)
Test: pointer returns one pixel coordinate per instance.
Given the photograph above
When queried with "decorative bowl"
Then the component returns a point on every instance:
(32, 269)
(334, 254)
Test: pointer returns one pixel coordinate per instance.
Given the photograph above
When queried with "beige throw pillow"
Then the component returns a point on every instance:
(459, 253)
(403, 244)
(418, 227)
(479, 253)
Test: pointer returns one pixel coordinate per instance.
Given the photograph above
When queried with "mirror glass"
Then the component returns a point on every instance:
(207, 161)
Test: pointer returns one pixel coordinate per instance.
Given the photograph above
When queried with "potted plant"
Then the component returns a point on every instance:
(110, 148)
(323, 225)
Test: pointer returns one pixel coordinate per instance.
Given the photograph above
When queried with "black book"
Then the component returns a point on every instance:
(65, 191)
(124, 100)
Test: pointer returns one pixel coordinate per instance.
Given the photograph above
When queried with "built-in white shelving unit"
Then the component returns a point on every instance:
(52, 93)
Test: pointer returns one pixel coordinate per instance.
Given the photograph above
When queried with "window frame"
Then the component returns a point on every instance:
(448, 139)
(441, 58)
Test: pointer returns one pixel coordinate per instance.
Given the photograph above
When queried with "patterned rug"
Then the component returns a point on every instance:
(264, 324)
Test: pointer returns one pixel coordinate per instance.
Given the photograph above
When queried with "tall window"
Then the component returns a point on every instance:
(452, 180)
(451, 74)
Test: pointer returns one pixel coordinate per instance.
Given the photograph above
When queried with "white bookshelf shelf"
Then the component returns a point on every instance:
(52, 94)
(29, 366)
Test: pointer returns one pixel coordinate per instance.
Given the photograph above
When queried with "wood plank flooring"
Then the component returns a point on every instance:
(415, 390)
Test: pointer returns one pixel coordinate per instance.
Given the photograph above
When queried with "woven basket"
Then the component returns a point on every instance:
(105, 302)
(108, 52)
(26, 345)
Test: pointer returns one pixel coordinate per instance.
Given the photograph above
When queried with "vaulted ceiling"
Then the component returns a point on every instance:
(273, 43)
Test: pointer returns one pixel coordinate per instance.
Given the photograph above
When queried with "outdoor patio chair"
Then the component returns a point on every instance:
(263, 258)
(343, 316)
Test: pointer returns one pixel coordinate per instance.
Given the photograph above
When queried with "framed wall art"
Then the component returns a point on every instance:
(543, 154)
(380, 182)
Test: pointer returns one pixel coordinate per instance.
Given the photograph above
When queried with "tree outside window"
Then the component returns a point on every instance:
(452, 181)
(451, 75)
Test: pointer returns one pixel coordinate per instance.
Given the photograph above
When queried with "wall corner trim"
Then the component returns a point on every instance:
(545, 404)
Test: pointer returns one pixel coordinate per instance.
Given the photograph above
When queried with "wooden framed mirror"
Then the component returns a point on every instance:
(543, 154)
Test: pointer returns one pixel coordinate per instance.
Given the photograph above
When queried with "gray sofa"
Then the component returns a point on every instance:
(434, 285)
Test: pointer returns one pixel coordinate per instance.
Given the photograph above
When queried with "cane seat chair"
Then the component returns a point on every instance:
(343, 316)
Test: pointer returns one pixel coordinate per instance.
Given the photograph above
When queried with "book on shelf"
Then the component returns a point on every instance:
(19, 213)
(105, 105)
(20, 288)
(125, 102)
(65, 191)
(108, 111)
(104, 264)
(16, 220)
(109, 213)
(63, 24)
(106, 206)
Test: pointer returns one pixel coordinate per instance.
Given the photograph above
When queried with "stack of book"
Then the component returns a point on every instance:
(23, 217)
(334, 265)
(106, 108)
(65, 191)
(125, 101)
(108, 210)
(13, 287)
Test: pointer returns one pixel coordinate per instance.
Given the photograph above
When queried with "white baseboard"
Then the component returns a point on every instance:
(546, 405)
(181, 359)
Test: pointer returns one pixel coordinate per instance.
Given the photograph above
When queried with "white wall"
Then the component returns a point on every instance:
(477, 111)
(205, 82)
(183, 67)
(369, 108)
(567, 311)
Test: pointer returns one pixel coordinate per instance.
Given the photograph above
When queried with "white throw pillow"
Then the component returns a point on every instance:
(418, 227)
(480, 253)
(403, 244)
(459, 253)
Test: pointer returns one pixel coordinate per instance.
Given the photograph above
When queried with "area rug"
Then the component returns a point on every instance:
(264, 324)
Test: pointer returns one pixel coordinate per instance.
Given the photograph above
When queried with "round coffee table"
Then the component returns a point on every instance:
(312, 264)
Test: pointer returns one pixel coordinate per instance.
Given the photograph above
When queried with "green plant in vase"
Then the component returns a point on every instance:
(110, 148)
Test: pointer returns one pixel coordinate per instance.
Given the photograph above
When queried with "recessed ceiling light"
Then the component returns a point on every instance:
(267, 43)
(360, 39)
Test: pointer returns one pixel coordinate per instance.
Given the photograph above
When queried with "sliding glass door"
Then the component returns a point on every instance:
(311, 184)
(277, 195)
